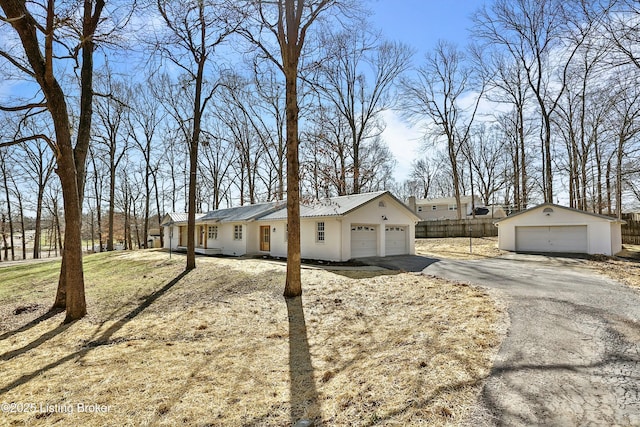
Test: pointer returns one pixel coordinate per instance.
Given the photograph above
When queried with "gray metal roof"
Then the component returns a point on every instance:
(334, 206)
(178, 217)
(242, 213)
(578, 211)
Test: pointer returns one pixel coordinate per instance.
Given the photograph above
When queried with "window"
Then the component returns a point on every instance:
(237, 232)
(213, 232)
(320, 232)
(419, 208)
(434, 208)
(453, 207)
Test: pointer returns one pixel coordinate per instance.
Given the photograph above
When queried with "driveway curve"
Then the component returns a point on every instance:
(572, 353)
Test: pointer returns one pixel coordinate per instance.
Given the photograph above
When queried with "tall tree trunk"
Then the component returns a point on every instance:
(38, 232)
(193, 169)
(293, 284)
(22, 230)
(8, 200)
(112, 200)
(155, 185)
(609, 190)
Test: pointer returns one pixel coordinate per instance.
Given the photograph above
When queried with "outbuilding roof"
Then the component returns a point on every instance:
(554, 206)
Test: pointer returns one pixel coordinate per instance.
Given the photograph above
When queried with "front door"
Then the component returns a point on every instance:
(265, 238)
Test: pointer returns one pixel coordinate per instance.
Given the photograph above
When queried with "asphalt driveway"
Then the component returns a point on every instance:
(572, 353)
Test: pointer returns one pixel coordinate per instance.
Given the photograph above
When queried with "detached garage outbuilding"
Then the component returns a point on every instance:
(550, 228)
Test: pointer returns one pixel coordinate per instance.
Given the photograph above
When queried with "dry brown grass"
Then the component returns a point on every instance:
(220, 347)
(459, 248)
(625, 268)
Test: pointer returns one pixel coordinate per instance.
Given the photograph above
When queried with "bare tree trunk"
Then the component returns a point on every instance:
(5, 244)
(8, 201)
(293, 284)
(22, 232)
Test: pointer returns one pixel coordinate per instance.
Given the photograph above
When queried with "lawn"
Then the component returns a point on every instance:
(459, 247)
(625, 268)
(220, 346)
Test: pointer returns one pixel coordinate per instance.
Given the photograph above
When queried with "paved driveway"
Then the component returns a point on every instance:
(572, 354)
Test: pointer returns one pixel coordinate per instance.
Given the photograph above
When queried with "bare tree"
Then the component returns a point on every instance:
(542, 37)
(143, 119)
(435, 95)
(625, 118)
(37, 40)
(38, 165)
(508, 84)
(6, 171)
(288, 22)
(358, 81)
(193, 31)
(112, 137)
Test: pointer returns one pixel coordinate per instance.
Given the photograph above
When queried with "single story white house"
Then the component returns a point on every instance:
(549, 228)
(333, 229)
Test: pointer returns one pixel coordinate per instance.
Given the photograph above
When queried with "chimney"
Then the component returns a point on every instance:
(412, 203)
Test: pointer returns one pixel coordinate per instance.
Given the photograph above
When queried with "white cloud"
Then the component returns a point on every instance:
(403, 141)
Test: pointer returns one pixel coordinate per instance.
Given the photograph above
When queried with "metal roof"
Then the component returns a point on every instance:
(334, 206)
(178, 217)
(446, 200)
(242, 213)
(553, 205)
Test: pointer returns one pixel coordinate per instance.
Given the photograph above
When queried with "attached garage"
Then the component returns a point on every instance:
(395, 238)
(364, 241)
(560, 238)
(550, 228)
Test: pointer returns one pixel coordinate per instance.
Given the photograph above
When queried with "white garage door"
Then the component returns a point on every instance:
(569, 238)
(364, 241)
(396, 240)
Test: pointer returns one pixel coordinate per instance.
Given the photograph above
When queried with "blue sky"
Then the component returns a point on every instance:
(420, 24)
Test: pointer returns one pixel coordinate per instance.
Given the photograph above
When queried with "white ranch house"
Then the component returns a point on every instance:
(333, 229)
(549, 228)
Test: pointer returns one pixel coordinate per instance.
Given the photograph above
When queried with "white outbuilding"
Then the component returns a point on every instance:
(551, 228)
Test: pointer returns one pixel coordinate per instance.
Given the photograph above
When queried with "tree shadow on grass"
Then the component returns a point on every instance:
(103, 339)
(45, 316)
(35, 343)
(303, 393)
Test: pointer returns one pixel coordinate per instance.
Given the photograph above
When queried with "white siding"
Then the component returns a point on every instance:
(601, 233)
(373, 214)
(230, 246)
(169, 232)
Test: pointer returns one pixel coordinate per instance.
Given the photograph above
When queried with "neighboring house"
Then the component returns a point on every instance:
(549, 228)
(443, 208)
(153, 237)
(334, 229)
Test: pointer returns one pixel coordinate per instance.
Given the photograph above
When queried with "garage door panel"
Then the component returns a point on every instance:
(568, 239)
(396, 240)
(364, 241)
